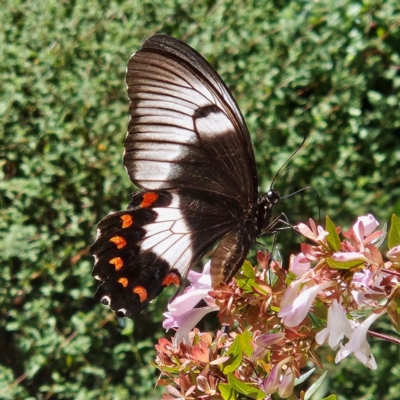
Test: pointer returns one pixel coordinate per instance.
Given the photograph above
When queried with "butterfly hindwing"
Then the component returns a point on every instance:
(141, 250)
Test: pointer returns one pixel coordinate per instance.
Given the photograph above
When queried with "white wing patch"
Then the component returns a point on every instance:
(214, 124)
(161, 170)
(164, 133)
(152, 152)
(169, 237)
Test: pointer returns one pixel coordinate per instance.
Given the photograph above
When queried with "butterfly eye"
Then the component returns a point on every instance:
(273, 196)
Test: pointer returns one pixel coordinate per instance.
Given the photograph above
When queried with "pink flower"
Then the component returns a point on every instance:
(264, 341)
(175, 394)
(364, 226)
(182, 313)
(268, 339)
(292, 292)
(286, 386)
(367, 285)
(394, 254)
(349, 256)
(294, 312)
(362, 278)
(361, 286)
(316, 233)
(299, 265)
(274, 381)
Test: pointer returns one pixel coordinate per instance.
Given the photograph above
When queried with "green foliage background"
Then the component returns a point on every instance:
(328, 70)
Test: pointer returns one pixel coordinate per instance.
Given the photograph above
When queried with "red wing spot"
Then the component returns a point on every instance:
(149, 198)
(127, 220)
(118, 263)
(123, 282)
(119, 241)
(171, 278)
(141, 292)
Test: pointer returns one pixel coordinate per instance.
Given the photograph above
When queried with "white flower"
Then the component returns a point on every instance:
(295, 310)
(358, 344)
(338, 327)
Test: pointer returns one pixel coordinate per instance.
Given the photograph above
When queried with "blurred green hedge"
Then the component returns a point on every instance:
(322, 69)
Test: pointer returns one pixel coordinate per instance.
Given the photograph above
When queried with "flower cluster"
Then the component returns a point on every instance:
(273, 320)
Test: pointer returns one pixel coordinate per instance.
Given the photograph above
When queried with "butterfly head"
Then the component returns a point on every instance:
(264, 209)
(271, 197)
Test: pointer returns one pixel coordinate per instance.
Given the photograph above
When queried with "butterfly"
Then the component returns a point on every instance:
(189, 150)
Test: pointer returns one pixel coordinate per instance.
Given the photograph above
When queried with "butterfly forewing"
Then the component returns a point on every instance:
(186, 130)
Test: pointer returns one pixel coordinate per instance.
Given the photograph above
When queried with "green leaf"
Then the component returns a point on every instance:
(330, 397)
(245, 388)
(241, 344)
(226, 391)
(244, 282)
(248, 270)
(332, 238)
(128, 329)
(344, 264)
(393, 310)
(236, 357)
(245, 342)
(315, 386)
(246, 277)
(394, 232)
(303, 377)
(275, 308)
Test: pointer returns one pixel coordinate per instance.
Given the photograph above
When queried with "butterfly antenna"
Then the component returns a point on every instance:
(302, 190)
(281, 169)
(280, 172)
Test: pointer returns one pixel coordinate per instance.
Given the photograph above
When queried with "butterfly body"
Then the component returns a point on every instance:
(189, 149)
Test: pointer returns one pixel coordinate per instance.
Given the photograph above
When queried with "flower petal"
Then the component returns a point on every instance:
(348, 256)
(299, 265)
(268, 339)
(271, 383)
(394, 254)
(286, 386)
(358, 344)
(189, 320)
(293, 314)
(338, 327)
(364, 226)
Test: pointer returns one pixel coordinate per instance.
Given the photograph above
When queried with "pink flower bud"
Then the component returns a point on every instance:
(299, 265)
(364, 226)
(394, 254)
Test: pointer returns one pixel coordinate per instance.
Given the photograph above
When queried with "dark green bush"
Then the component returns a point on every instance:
(325, 70)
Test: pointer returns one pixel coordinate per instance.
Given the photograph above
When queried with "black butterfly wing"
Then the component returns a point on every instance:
(186, 130)
(188, 146)
(141, 250)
